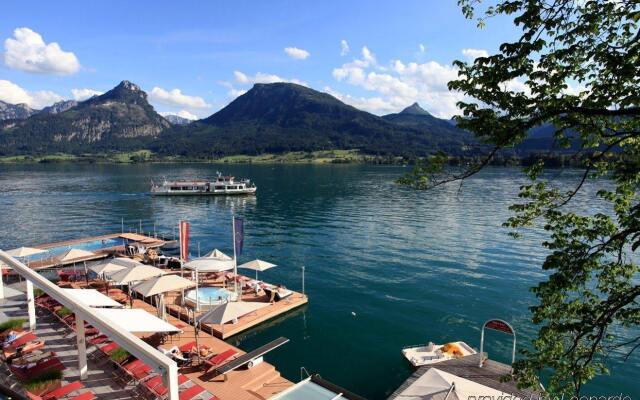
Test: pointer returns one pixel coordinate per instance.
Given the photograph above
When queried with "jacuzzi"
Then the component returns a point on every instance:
(209, 295)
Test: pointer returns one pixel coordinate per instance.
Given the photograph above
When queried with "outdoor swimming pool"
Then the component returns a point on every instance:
(88, 246)
(209, 295)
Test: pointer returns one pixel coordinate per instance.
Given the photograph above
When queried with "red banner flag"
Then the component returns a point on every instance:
(184, 240)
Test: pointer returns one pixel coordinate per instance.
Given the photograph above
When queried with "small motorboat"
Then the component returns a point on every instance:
(434, 353)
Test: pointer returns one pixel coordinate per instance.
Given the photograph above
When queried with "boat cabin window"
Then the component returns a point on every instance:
(219, 187)
(232, 187)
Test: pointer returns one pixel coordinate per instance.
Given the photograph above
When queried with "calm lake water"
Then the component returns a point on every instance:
(386, 267)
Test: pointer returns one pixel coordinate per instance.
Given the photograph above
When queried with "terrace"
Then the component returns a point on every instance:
(249, 378)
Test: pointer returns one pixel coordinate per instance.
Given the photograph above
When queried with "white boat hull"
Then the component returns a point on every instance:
(425, 355)
(204, 193)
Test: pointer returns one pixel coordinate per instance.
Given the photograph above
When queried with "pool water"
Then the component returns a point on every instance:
(214, 295)
(88, 246)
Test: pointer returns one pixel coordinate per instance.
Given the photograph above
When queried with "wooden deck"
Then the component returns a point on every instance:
(489, 375)
(246, 322)
(260, 382)
(148, 241)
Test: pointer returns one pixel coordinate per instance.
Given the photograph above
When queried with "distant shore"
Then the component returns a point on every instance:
(350, 156)
(146, 156)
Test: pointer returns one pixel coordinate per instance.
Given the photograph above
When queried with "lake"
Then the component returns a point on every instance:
(386, 266)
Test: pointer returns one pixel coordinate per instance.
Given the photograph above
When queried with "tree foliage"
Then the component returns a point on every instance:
(576, 66)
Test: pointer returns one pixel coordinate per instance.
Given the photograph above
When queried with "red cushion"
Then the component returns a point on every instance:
(221, 357)
(84, 396)
(187, 346)
(64, 390)
(192, 392)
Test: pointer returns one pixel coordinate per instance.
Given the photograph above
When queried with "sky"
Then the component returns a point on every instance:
(194, 58)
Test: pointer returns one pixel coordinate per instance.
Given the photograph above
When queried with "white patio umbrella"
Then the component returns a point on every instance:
(113, 265)
(257, 265)
(135, 274)
(23, 252)
(160, 285)
(224, 313)
(208, 264)
(215, 253)
(74, 254)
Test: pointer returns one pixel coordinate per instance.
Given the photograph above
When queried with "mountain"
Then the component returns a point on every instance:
(281, 117)
(15, 111)
(59, 107)
(119, 119)
(177, 120)
(416, 117)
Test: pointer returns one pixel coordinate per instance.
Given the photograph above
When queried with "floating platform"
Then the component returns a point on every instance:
(246, 322)
(490, 376)
(102, 246)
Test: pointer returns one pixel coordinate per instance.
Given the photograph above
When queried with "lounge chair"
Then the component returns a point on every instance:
(155, 386)
(21, 340)
(26, 373)
(185, 348)
(217, 360)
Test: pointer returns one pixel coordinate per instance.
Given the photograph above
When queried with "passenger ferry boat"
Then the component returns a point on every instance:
(223, 185)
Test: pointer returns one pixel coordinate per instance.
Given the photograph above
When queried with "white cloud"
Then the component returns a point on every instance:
(83, 94)
(261, 77)
(175, 97)
(233, 93)
(182, 113)
(28, 52)
(344, 47)
(472, 54)
(422, 48)
(14, 94)
(298, 54)
(399, 85)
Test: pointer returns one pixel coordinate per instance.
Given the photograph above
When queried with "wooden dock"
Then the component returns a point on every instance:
(491, 375)
(52, 262)
(260, 382)
(246, 322)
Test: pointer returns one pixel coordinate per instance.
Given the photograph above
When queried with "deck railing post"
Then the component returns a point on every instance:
(82, 347)
(303, 280)
(31, 306)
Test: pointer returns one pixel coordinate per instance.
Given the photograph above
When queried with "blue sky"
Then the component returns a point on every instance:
(195, 57)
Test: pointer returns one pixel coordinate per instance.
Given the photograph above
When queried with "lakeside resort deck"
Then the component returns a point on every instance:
(252, 380)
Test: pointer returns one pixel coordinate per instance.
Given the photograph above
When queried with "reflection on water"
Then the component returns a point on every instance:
(385, 266)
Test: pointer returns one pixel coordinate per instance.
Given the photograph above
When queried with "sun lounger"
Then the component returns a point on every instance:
(191, 392)
(63, 391)
(249, 359)
(19, 351)
(98, 340)
(21, 340)
(217, 360)
(155, 386)
(26, 373)
(185, 348)
(109, 348)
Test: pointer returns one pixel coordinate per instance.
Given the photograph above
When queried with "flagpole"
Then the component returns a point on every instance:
(235, 260)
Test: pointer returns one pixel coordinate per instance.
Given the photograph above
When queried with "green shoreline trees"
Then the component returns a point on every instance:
(576, 65)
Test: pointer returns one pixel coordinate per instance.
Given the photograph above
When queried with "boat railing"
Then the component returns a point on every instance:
(304, 371)
(415, 345)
